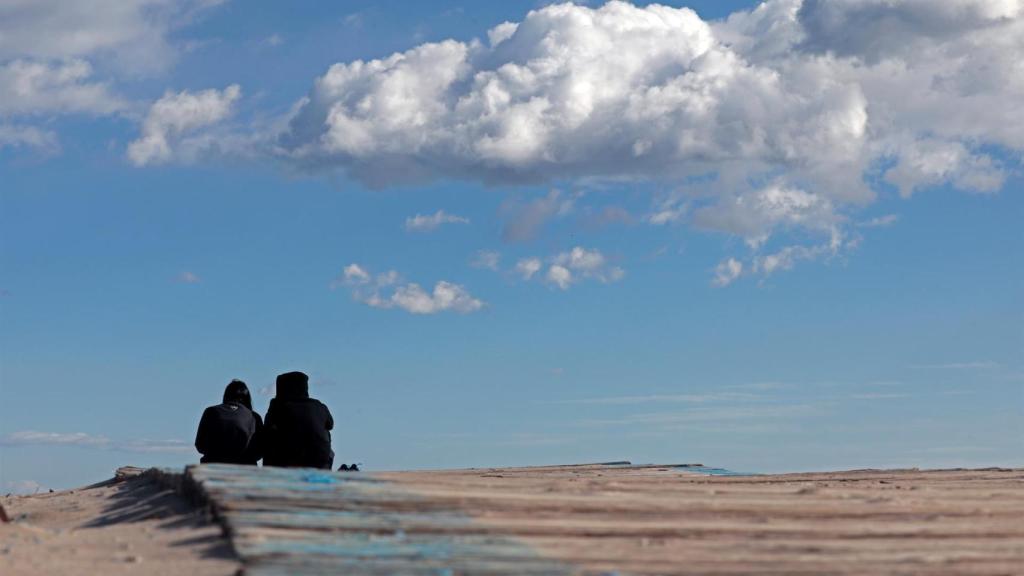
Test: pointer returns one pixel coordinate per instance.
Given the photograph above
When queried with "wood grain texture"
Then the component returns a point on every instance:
(617, 519)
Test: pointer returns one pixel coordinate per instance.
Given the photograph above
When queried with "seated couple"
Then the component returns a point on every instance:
(296, 433)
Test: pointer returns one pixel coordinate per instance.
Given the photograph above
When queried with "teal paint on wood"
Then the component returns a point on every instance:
(300, 521)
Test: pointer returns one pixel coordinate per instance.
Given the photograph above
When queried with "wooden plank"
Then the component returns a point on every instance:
(618, 518)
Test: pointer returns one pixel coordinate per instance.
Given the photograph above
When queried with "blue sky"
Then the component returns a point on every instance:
(780, 284)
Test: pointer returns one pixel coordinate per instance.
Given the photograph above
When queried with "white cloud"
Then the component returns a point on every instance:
(355, 274)
(429, 222)
(172, 128)
(15, 136)
(929, 162)
(527, 267)
(387, 290)
(36, 438)
(50, 50)
(559, 276)
(27, 437)
(567, 268)
(486, 259)
(784, 110)
(668, 211)
(445, 296)
(589, 263)
(131, 33)
(754, 215)
(787, 257)
(29, 87)
(727, 272)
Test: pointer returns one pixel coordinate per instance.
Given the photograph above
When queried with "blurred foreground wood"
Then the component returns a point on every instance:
(617, 519)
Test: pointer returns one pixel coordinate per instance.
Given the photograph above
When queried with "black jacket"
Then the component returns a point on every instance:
(298, 428)
(230, 433)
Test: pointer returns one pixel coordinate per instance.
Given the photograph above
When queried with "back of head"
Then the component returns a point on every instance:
(292, 385)
(238, 392)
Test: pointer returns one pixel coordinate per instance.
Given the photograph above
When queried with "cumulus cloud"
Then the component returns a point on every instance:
(50, 51)
(567, 268)
(387, 290)
(527, 267)
(429, 222)
(727, 272)
(173, 128)
(785, 109)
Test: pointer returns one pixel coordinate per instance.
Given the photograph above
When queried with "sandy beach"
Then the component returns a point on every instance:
(128, 526)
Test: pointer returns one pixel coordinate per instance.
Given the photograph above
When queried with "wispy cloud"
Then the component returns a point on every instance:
(746, 413)
(187, 277)
(524, 220)
(273, 41)
(879, 221)
(664, 399)
(430, 222)
(22, 487)
(36, 438)
(879, 396)
(486, 259)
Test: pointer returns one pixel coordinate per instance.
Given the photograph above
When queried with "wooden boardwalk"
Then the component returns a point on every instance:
(617, 519)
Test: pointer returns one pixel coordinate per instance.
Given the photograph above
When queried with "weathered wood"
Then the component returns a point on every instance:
(617, 518)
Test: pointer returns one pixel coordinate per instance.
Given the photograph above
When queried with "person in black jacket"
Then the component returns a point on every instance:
(298, 429)
(231, 432)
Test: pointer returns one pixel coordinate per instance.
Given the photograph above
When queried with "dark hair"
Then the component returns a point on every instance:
(238, 392)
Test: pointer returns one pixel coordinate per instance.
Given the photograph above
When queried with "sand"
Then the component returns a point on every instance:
(116, 527)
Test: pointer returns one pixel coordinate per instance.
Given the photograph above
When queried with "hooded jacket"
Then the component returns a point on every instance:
(298, 428)
(231, 432)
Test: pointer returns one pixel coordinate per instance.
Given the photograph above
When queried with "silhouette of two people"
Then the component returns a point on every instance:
(297, 431)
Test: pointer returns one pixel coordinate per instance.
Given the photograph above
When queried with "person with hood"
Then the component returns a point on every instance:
(230, 432)
(298, 428)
